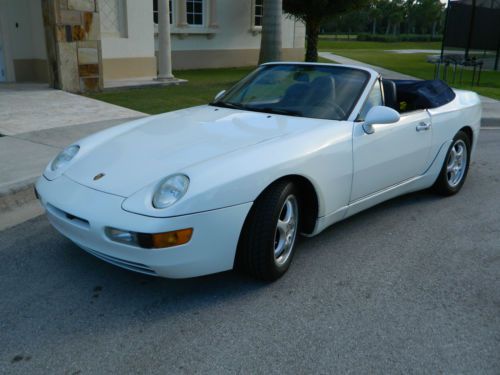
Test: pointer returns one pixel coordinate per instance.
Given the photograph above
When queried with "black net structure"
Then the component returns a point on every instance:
(473, 25)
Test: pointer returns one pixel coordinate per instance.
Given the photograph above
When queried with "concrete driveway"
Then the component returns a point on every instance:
(34, 107)
(410, 286)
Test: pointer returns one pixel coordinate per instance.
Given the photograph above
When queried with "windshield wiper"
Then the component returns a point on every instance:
(278, 111)
(228, 105)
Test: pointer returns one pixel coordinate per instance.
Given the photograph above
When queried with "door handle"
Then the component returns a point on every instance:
(423, 126)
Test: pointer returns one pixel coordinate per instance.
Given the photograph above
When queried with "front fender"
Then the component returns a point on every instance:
(322, 155)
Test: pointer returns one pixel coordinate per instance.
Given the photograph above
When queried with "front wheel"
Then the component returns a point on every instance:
(267, 243)
(455, 167)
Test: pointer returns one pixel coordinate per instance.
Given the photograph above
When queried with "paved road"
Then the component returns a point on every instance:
(411, 286)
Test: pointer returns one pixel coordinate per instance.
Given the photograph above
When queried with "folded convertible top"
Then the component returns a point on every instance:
(424, 94)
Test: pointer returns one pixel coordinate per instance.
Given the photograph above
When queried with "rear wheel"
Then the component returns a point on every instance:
(267, 243)
(455, 167)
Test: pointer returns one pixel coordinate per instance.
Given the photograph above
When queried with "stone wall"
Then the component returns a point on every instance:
(73, 29)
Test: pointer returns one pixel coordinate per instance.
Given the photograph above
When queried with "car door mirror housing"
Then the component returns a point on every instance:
(219, 95)
(379, 115)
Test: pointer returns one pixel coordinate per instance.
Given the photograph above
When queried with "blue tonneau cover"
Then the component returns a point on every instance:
(424, 94)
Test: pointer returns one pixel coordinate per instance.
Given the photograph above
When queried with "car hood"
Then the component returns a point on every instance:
(169, 143)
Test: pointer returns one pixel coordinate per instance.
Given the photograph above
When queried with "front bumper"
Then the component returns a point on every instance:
(82, 214)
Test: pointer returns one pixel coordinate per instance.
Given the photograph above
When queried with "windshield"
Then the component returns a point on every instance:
(316, 91)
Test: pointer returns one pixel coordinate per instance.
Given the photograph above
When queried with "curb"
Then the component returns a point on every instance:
(18, 203)
(490, 122)
(148, 85)
(16, 187)
(17, 195)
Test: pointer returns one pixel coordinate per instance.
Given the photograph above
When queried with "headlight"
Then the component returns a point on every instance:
(170, 190)
(64, 157)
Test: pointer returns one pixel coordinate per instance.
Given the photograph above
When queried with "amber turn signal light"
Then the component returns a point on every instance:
(167, 239)
(150, 240)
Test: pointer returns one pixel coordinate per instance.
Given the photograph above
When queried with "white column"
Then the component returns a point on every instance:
(212, 15)
(164, 45)
(181, 14)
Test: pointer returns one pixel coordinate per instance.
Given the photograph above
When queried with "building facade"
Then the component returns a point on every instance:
(85, 42)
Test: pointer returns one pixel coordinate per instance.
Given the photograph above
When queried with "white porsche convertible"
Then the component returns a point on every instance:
(292, 148)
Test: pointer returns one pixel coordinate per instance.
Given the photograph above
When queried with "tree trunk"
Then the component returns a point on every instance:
(374, 28)
(434, 25)
(388, 28)
(312, 35)
(270, 43)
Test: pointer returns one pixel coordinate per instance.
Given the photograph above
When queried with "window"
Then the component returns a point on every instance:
(113, 18)
(194, 11)
(374, 98)
(155, 11)
(257, 18)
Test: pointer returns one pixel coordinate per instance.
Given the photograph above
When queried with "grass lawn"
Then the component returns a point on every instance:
(203, 85)
(331, 45)
(412, 64)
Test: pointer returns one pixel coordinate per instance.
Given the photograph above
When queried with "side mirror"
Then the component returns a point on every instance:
(219, 95)
(379, 115)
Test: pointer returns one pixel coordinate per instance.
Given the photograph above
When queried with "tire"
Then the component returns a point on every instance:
(267, 243)
(455, 166)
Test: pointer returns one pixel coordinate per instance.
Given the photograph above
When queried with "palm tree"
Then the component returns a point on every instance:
(374, 14)
(270, 43)
(394, 14)
(314, 12)
(397, 15)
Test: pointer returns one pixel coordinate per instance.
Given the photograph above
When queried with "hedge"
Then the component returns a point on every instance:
(399, 38)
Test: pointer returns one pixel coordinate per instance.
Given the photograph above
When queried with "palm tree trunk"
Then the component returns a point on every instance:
(270, 43)
(312, 35)
(388, 28)
(374, 28)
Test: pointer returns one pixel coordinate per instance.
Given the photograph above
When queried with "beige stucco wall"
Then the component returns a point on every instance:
(226, 58)
(22, 25)
(145, 67)
(138, 41)
(129, 67)
(131, 55)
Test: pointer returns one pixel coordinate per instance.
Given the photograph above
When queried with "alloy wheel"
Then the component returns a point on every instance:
(457, 163)
(286, 230)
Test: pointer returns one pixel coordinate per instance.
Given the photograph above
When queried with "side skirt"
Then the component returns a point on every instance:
(421, 182)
